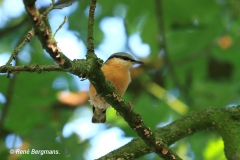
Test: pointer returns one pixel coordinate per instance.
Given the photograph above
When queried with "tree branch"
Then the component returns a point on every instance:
(43, 31)
(30, 68)
(223, 120)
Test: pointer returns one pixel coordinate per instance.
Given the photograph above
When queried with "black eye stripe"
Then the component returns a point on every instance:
(126, 58)
(121, 57)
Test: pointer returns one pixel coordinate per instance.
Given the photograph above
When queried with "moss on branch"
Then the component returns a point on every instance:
(225, 121)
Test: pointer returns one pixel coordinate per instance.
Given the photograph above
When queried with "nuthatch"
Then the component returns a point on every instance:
(117, 70)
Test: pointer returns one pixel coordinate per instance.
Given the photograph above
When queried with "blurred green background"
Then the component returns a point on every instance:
(190, 64)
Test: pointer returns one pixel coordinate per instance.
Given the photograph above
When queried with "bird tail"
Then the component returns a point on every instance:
(99, 115)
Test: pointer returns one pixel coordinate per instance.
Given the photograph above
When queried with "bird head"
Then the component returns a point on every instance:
(122, 59)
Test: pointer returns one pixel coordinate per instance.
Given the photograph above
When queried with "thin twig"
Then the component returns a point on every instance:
(49, 8)
(27, 38)
(53, 6)
(90, 43)
(64, 21)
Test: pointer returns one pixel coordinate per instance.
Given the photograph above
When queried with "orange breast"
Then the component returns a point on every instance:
(118, 75)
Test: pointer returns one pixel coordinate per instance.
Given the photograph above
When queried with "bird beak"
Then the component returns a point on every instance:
(137, 62)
